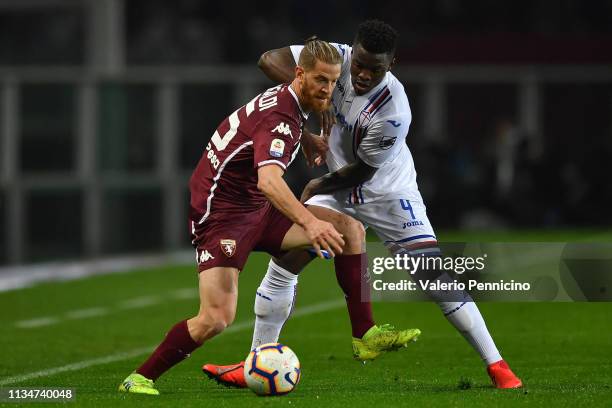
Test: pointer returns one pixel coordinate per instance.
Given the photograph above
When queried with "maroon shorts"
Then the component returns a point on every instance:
(227, 239)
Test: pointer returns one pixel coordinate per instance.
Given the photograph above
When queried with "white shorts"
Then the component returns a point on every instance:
(397, 222)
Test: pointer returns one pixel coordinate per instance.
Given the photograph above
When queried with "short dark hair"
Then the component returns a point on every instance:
(376, 36)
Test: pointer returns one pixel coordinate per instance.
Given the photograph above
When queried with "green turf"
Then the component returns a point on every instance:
(527, 235)
(560, 350)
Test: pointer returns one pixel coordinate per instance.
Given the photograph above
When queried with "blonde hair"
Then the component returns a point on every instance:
(318, 50)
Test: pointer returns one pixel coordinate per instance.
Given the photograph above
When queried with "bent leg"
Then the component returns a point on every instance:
(218, 300)
(457, 306)
(351, 267)
(351, 229)
(218, 295)
(274, 302)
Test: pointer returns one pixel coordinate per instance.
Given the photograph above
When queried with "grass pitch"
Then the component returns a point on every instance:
(89, 334)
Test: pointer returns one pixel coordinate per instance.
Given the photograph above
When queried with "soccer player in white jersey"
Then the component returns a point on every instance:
(372, 178)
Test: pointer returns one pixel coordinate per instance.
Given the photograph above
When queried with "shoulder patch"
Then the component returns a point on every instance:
(277, 148)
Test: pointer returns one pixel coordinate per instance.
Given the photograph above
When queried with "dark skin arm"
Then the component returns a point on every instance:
(348, 176)
(278, 65)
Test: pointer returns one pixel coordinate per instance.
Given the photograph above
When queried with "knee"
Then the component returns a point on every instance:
(217, 326)
(211, 323)
(354, 234)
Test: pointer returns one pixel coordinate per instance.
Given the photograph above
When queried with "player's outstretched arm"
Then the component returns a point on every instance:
(347, 176)
(321, 234)
(278, 65)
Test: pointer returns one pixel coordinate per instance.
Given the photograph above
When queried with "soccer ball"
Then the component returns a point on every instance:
(272, 369)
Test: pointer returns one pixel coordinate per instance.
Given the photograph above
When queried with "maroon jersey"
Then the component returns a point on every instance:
(266, 131)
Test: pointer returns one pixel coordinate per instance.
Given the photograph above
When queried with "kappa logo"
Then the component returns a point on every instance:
(228, 246)
(205, 256)
(283, 129)
(277, 148)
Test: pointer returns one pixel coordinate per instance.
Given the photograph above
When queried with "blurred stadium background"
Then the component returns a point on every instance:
(106, 105)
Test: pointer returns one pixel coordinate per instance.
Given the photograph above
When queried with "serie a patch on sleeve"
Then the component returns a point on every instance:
(277, 148)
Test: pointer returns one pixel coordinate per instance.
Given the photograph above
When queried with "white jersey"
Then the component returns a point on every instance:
(372, 127)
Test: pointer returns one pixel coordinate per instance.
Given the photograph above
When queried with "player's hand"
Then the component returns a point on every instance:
(327, 119)
(309, 191)
(323, 235)
(314, 148)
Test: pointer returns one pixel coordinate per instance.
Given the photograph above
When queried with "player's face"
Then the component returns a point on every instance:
(368, 69)
(318, 85)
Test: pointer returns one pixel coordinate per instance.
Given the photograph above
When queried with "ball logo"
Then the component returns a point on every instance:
(228, 246)
(277, 148)
(272, 369)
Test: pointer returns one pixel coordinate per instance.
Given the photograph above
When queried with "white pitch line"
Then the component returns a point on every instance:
(139, 302)
(76, 366)
(240, 326)
(134, 303)
(186, 293)
(38, 322)
(85, 313)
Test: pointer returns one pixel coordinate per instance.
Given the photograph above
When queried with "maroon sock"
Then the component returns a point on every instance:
(176, 347)
(351, 272)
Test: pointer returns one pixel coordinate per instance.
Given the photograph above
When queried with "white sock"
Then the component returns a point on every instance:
(467, 319)
(273, 304)
(460, 310)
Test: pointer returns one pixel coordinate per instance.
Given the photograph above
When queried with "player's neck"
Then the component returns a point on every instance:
(297, 90)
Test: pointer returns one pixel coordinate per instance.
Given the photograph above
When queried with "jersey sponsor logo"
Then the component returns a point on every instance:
(228, 246)
(341, 119)
(340, 87)
(277, 148)
(394, 123)
(283, 129)
(205, 256)
(212, 156)
(386, 142)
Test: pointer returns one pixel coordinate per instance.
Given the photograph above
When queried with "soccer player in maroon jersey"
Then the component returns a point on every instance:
(240, 203)
(365, 69)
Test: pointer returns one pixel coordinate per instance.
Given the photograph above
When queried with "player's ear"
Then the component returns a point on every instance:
(299, 74)
(391, 64)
